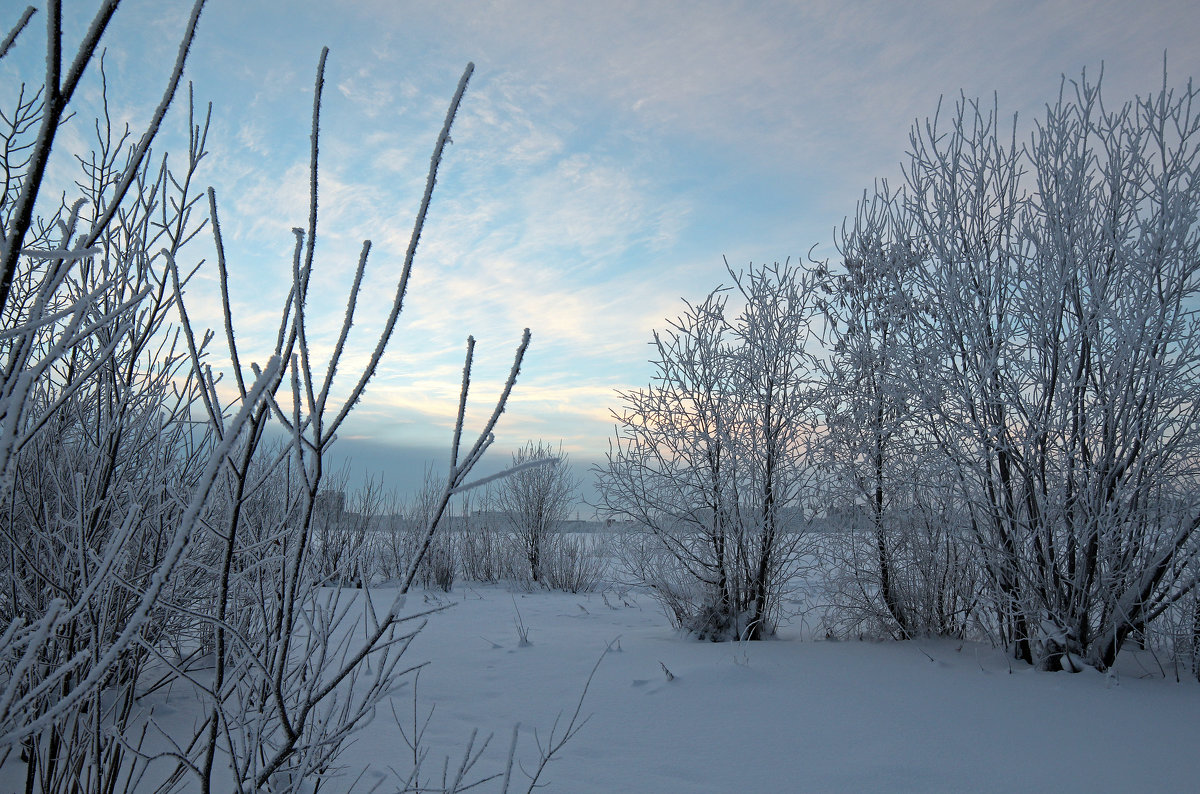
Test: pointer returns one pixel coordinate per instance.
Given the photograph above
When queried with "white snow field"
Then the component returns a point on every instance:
(784, 715)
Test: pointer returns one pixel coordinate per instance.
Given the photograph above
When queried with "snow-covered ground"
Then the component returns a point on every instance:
(782, 715)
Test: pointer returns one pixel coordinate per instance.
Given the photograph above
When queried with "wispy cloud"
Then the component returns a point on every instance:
(605, 158)
(802, 85)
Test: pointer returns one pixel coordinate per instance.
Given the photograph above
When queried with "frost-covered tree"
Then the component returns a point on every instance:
(536, 500)
(899, 557)
(712, 462)
(670, 470)
(1058, 356)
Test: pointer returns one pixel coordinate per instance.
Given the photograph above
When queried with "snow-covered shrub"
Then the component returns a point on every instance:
(1194, 637)
(576, 563)
(1170, 644)
(104, 476)
(692, 605)
(643, 563)
(488, 553)
(440, 564)
(933, 576)
(436, 560)
(339, 538)
(142, 510)
(385, 556)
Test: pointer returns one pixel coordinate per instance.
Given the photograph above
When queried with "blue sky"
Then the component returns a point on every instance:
(608, 155)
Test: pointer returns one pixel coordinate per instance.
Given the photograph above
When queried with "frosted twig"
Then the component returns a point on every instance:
(64, 254)
(347, 322)
(402, 286)
(462, 404)
(486, 437)
(301, 278)
(16, 31)
(511, 470)
(143, 147)
(223, 280)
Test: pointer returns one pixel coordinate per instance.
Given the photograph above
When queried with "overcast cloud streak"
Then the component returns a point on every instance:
(608, 155)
